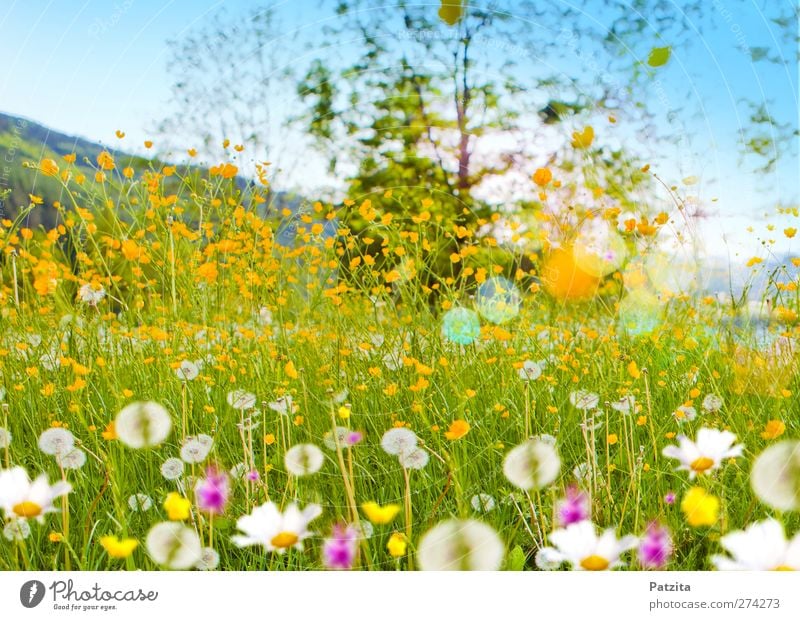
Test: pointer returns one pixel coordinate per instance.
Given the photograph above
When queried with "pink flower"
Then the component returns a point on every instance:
(573, 508)
(669, 498)
(211, 492)
(655, 547)
(339, 551)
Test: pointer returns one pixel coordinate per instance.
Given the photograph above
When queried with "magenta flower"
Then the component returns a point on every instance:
(669, 498)
(339, 551)
(211, 492)
(353, 438)
(573, 508)
(655, 548)
(253, 475)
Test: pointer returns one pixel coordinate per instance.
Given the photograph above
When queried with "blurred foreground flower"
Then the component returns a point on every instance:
(460, 545)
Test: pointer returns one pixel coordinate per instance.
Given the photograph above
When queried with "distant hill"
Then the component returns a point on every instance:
(23, 140)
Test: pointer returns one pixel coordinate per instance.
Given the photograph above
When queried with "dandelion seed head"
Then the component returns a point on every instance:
(140, 502)
(416, 458)
(143, 424)
(173, 545)
(398, 440)
(303, 459)
(55, 441)
(172, 468)
(458, 544)
(532, 465)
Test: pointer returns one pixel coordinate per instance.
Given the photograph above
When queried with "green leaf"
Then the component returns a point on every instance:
(516, 559)
(659, 56)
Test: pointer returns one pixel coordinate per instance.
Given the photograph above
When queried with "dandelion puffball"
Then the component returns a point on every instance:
(56, 441)
(460, 545)
(172, 468)
(396, 441)
(143, 424)
(775, 477)
(303, 459)
(532, 465)
(173, 545)
(414, 459)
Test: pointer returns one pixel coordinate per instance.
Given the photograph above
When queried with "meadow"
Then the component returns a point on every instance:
(204, 386)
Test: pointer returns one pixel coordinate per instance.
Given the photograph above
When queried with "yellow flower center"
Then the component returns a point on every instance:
(783, 567)
(27, 509)
(284, 540)
(594, 562)
(702, 464)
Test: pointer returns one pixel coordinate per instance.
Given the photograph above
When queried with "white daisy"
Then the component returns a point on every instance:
(56, 440)
(21, 498)
(775, 477)
(140, 502)
(458, 544)
(414, 459)
(762, 546)
(584, 400)
(143, 424)
(172, 468)
(274, 530)
(241, 400)
(482, 502)
(579, 545)
(303, 459)
(704, 454)
(398, 440)
(173, 545)
(530, 370)
(532, 465)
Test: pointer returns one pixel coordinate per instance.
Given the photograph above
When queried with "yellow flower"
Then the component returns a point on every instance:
(633, 370)
(344, 411)
(110, 434)
(773, 429)
(290, 370)
(700, 507)
(55, 537)
(177, 507)
(584, 139)
(542, 176)
(397, 545)
(380, 515)
(458, 428)
(790, 232)
(105, 161)
(49, 167)
(612, 439)
(119, 549)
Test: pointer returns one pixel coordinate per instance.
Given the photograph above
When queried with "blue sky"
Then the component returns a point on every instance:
(89, 68)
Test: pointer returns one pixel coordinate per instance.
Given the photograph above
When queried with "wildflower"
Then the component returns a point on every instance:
(172, 468)
(461, 326)
(211, 492)
(706, 453)
(458, 429)
(397, 545)
(532, 464)
(74, 459)
(669, 498)
(241, 400)
(380, 515)
(209, 559)
(143, 424)
(775, 476)
(584, 400)
(458, 544)
(91, 294)
(178, 508)
(56, 441)
(105, 161)
(762, 546)
(655, 548)
(341, 437)
(482, 502)
(21, 498)
(274, 530)
(700, 507)
(173, 545)
(712, 403)
(282, 405)
(542, 176)
(548, 558)
(398, 440)
(140, 502)
(118, 549)
(580, 546)
(530, 370)
(573, 508)
(110, 434)
(414, 459)
(340, 549)
(196, 449)
(17, 529)
(49, 167)
(772, 430)
(187, 371)
(303, 459)
(626, 404)
(265, 315)
(5, 438)
(685, 413)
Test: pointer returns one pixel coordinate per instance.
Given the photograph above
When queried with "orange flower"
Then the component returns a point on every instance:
(457, 430)
(105, 161)
(49, 167)
(773, 429)
(110, 434)
(542, 176)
